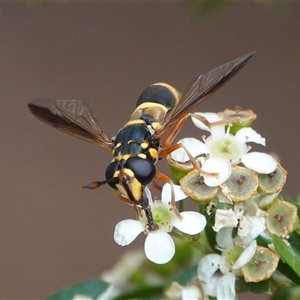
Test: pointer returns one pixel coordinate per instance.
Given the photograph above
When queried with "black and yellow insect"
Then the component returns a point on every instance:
(137, 147)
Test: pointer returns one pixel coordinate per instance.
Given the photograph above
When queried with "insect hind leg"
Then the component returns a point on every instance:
(175, 129)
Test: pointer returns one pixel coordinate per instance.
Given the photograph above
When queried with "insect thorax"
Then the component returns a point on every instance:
(135, 139)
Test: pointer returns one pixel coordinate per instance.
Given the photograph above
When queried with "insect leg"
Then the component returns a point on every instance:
(156, 186)
(175, 129)
(174, 147)
(145, 206)
(166, 179)
(151, 226)
(124, 199)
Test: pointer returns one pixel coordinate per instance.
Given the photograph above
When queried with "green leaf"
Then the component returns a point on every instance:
(263, 240)
(210, 233)
(294, 240)
(262, 287)
(287, 253)
(91, 288)
(146, 292)
(287, 294)
(288, 272)
(186, 276)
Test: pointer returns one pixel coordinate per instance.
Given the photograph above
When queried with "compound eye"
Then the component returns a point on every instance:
(144, 170)
(109, 173)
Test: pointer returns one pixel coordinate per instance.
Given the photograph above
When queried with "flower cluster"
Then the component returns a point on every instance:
(224, 150)
(234, 242)
(237, 192)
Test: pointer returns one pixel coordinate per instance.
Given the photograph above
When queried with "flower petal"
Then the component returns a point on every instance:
(216, 165)
(245, 226)
(246, 256)
(260, 162)
(226, 287)
(217, 130)
(191, 223)
(210, 287)
(210, 117)
(224, 237)
(247, 134)
(190, 292)
(258, 227)
(159, 247)
(126, 231)
(194, 146)
(166, 193)
(224, 218)
(149, 195)
(208, 265)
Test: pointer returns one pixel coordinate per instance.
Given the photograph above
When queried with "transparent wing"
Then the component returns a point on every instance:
(202, 88)
(74, 117)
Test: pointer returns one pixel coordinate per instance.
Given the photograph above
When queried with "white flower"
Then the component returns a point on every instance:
(216, 285)
(222, 150)
(222, 284)
(224, 238)
(258, 226)
(249, 226)
(159, 246)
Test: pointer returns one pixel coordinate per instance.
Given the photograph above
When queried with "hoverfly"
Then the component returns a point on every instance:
(137, 147)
